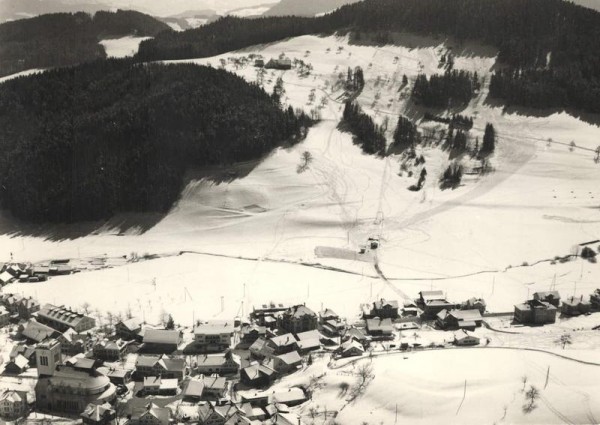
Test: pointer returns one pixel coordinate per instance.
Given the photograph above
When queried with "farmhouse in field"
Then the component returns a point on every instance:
(534, 312)
(573, 306)
(459, 319)
(464, 338)
(279, 63)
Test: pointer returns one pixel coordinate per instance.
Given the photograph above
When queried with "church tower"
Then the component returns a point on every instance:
(47, 355)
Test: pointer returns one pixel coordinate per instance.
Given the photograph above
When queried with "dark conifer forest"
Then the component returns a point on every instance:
(368, 135)
(549, 48)
(85, 142)
(63, 39)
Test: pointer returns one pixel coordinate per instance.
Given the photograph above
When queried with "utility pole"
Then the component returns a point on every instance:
(547, 377)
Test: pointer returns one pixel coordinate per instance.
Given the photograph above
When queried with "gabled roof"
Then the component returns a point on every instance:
(462, 334)
(97, 412)
(172, 364)
(215, 382)
(352, 344)
(213, 360)
(299, 311)
(328, 313)
(466, 315)
(355, 333)
(294, 394)
(161, 336)
(62, 315)
(290, 358)
(132, 324)
(147, 361)
(163, 414)
(37, 331)
(194, 388)
(283, 340)
(308, 344)
(255, 371)
(13, 396)
(21, 362)
(216, 327)
(383, 325)
(314, 334)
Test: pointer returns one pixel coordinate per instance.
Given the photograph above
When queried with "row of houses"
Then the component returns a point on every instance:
(544, 306)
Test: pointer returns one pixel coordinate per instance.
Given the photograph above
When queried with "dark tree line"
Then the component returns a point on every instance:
(366, 133)
(524, 31)
(459, 121)
(66, 39)
(86, 142)
(406, 134)
(452, 88)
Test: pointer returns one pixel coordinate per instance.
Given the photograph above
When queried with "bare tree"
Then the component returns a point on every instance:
(564, 340)
(86, 307)
(532, 395)
(524, 381)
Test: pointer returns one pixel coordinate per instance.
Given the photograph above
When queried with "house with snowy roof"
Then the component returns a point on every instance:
(213, 336)
(160, 341)
(62, 318)
(164, 366)
(154, 415)
(219, 363)
(298, 318)
(98, 414)
(459, 319)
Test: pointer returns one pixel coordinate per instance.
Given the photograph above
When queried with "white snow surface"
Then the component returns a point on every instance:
(122, 47)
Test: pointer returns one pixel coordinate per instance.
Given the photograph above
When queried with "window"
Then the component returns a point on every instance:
(44, 360)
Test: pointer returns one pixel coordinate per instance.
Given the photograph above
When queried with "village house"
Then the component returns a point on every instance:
(164, 366)
(160, 341)
(13, 404)
(215, 387)
(259, 349)
(380, 329)
(292, 397)
(156, 385)
(212, 337)
(574, 306)
(35, 332)
(155, 415)
(216, 414)
(298, 318)
(27, 351)
(465, 338)
(285, 363)
(357, 335)
(331, 324)
(257, 375)
(308, 341)
(110, 350)
(220, 363)
(98, 414)
(193, 390)
(72, 343)
(266, 314)
(279, 63)
(251, 332)
(62, 318)
(16, 366)
(117, 375)
(384, 309)
(129, 329)
(68, 388)
(552, 297)
(351, 348)
(281, 344)
(535, 312)
(474, 303)
(459, 319)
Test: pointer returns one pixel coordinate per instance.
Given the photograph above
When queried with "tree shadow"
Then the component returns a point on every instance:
(123, 223)
(587, 117)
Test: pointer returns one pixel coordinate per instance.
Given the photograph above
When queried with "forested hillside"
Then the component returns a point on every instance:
(554, 41)
(85, 142)
(66, 39)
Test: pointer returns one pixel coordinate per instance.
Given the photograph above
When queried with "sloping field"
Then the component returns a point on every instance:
(541, 201)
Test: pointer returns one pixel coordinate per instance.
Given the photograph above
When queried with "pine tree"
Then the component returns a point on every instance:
(170, 323)
(489, 139)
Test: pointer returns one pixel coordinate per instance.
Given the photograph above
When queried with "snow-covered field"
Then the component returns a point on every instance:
(455, 386)
(122, 47)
